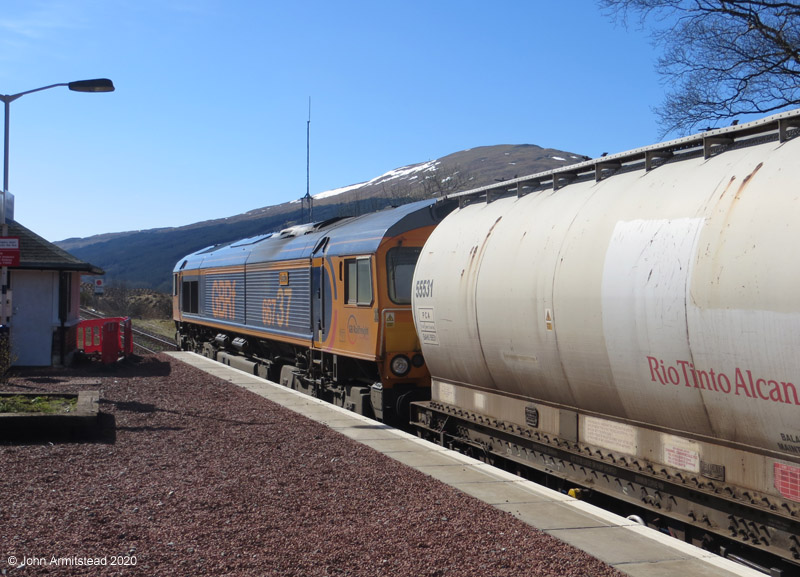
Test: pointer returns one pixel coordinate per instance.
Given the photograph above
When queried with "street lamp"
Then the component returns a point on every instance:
(96, 85)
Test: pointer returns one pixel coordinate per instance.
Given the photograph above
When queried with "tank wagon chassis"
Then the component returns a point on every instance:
(705, 512)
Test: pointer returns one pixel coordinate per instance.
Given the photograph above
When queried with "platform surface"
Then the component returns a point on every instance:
(627, 546)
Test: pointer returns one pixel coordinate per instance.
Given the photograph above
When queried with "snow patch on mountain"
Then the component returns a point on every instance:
(410, 172)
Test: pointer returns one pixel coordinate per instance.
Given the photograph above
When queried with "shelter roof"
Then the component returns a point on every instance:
(40, 254)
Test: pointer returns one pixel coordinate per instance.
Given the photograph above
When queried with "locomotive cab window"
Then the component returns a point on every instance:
(190, 298)
(358, 281)
(400, 263)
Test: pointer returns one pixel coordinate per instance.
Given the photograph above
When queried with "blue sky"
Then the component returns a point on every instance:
(209, 114)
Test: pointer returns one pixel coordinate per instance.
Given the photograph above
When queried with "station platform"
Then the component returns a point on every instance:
(625, 545)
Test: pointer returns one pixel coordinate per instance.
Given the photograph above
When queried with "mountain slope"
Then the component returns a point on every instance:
(146, 258)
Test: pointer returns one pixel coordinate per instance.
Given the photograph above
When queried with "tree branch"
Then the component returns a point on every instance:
(721, 58)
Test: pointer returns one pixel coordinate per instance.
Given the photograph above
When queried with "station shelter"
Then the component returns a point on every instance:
(45, 300)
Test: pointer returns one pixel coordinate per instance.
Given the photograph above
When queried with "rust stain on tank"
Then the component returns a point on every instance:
(488, 234)
(476, 253)
(472, 252)
(746, 181)
(738, 196)
(728, 216)
(727, 188)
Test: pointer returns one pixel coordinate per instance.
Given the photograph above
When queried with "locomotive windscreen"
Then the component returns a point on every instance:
(400, 263)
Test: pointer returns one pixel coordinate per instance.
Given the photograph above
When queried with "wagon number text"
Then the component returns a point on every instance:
(424, 288)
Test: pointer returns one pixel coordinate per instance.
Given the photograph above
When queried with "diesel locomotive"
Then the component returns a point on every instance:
(323, 308)
(631, 326)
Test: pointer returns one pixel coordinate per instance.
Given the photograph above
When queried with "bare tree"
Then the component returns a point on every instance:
(446, 180)
(721, 58)
(400, 190)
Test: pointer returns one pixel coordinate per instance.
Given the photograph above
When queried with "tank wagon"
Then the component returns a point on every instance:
(323, 308)
(631, 324)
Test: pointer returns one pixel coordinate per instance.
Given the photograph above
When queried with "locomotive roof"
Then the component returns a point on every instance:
(345, 236)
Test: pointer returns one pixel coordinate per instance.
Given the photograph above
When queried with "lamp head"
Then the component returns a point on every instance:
(96, 85)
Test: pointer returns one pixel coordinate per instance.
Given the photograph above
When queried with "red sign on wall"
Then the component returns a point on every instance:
(9, 251)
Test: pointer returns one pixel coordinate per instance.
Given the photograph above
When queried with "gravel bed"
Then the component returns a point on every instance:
(205, 478)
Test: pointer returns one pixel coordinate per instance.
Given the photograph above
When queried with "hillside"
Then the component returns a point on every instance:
(145, 258)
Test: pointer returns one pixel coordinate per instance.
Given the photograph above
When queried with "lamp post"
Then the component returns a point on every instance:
(96, 85)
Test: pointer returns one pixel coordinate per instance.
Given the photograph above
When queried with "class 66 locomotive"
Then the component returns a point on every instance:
(324, 308)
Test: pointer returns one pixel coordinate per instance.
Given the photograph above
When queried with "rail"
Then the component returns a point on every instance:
(155, 344)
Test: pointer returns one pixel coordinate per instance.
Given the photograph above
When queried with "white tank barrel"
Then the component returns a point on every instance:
(669, 296)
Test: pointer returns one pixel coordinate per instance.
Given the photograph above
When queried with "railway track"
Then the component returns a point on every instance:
(143, 341)
(150, 343)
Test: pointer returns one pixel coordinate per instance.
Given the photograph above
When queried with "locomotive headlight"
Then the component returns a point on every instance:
(400, 365)
(418, 360)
